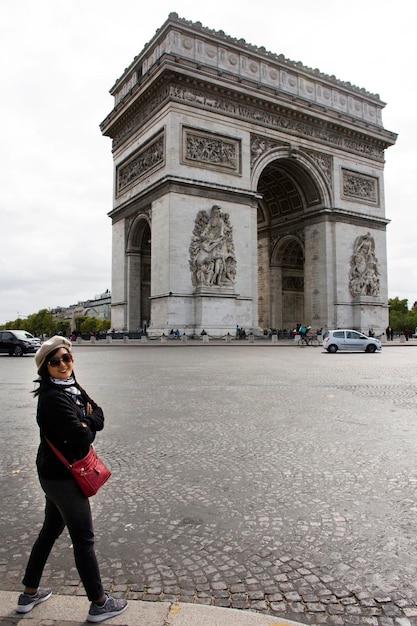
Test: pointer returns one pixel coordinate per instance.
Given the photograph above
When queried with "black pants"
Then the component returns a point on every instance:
(66, 506)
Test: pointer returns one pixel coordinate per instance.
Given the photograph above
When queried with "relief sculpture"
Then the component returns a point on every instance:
(212, 252)
(364, 274)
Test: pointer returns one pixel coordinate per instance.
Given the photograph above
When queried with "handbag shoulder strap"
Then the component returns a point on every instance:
(58, 453)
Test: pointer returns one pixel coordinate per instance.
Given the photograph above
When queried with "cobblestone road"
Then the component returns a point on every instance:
(267, 478)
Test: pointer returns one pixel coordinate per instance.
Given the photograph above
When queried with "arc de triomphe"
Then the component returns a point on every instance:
(248, 191)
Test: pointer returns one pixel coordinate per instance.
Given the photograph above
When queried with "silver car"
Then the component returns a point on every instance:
(346, 339)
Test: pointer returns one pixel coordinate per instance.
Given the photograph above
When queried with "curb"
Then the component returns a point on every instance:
(62, 610)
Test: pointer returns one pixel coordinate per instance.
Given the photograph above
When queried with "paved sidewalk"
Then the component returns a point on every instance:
(72, 610)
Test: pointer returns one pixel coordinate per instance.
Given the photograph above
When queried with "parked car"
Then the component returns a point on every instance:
(18, 342)
(347, 339)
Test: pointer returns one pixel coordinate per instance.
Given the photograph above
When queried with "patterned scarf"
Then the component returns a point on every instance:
(70, 387)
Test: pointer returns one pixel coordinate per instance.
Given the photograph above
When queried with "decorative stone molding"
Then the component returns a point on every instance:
(205, 149)
(364, 274)
(293, 283)
(259, 145)
(297, 233)
(281, 119)
(215, 51)
(212, 251)
(360, 187)
(141, 163)
(324, 163)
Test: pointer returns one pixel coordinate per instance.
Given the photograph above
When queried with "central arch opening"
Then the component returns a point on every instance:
(288, 191)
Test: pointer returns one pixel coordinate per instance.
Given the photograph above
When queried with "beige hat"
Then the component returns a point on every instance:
(49, 346)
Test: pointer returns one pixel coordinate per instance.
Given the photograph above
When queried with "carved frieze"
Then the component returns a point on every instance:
(141, 163)
(293, 283)
(211, 150)
(287, 122)
(364, 274)
(360, 187)
(212, 251)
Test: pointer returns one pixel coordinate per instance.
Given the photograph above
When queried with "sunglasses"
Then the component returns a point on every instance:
(56, 360)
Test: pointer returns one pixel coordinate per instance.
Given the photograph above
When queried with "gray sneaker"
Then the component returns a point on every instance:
(26, 601)
(111, 607)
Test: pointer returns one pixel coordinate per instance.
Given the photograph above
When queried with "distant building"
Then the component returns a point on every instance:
(99, 307)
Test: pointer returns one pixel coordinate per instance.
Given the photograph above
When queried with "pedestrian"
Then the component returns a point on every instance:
(69, 418)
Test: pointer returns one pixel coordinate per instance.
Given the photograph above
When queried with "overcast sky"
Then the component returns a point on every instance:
(59, 58)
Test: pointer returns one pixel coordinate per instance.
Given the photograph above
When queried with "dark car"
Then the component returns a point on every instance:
(18, 342)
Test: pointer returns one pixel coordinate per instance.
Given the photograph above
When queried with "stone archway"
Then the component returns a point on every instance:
(292, 201)
(287, 284)
(293, 160)
(139, 257)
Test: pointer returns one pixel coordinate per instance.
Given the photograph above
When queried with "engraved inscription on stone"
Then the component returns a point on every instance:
(145, 160)
(360, 187)
(364, 275)
(212, 251)
(206, 149)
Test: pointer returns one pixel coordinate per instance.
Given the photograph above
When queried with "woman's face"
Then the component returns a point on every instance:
(57, 368)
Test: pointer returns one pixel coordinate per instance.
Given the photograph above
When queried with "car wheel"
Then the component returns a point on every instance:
(371, 348)
(332, 348)
(18, 351)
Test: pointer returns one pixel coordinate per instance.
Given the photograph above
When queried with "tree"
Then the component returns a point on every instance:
(400, 317)
(396, 304)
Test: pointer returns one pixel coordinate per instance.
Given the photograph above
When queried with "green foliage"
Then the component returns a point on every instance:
(400, 317)
(105, 325)
(86, 324)
(43, 323)
(396, 304)
(38, 323)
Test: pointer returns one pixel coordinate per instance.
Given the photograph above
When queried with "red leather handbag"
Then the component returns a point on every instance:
(89, 472)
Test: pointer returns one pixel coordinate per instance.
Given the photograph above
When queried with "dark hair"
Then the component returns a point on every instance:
(44, 380)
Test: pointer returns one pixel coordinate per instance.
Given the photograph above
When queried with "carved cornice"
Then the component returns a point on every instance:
(214, 51)
(226, 102)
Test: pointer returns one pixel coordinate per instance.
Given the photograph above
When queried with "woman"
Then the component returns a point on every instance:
(69, 418)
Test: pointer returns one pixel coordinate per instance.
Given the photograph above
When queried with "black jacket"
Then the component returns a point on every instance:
(59, 419)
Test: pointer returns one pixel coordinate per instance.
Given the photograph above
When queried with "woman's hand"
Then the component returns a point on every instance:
(88, 409)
